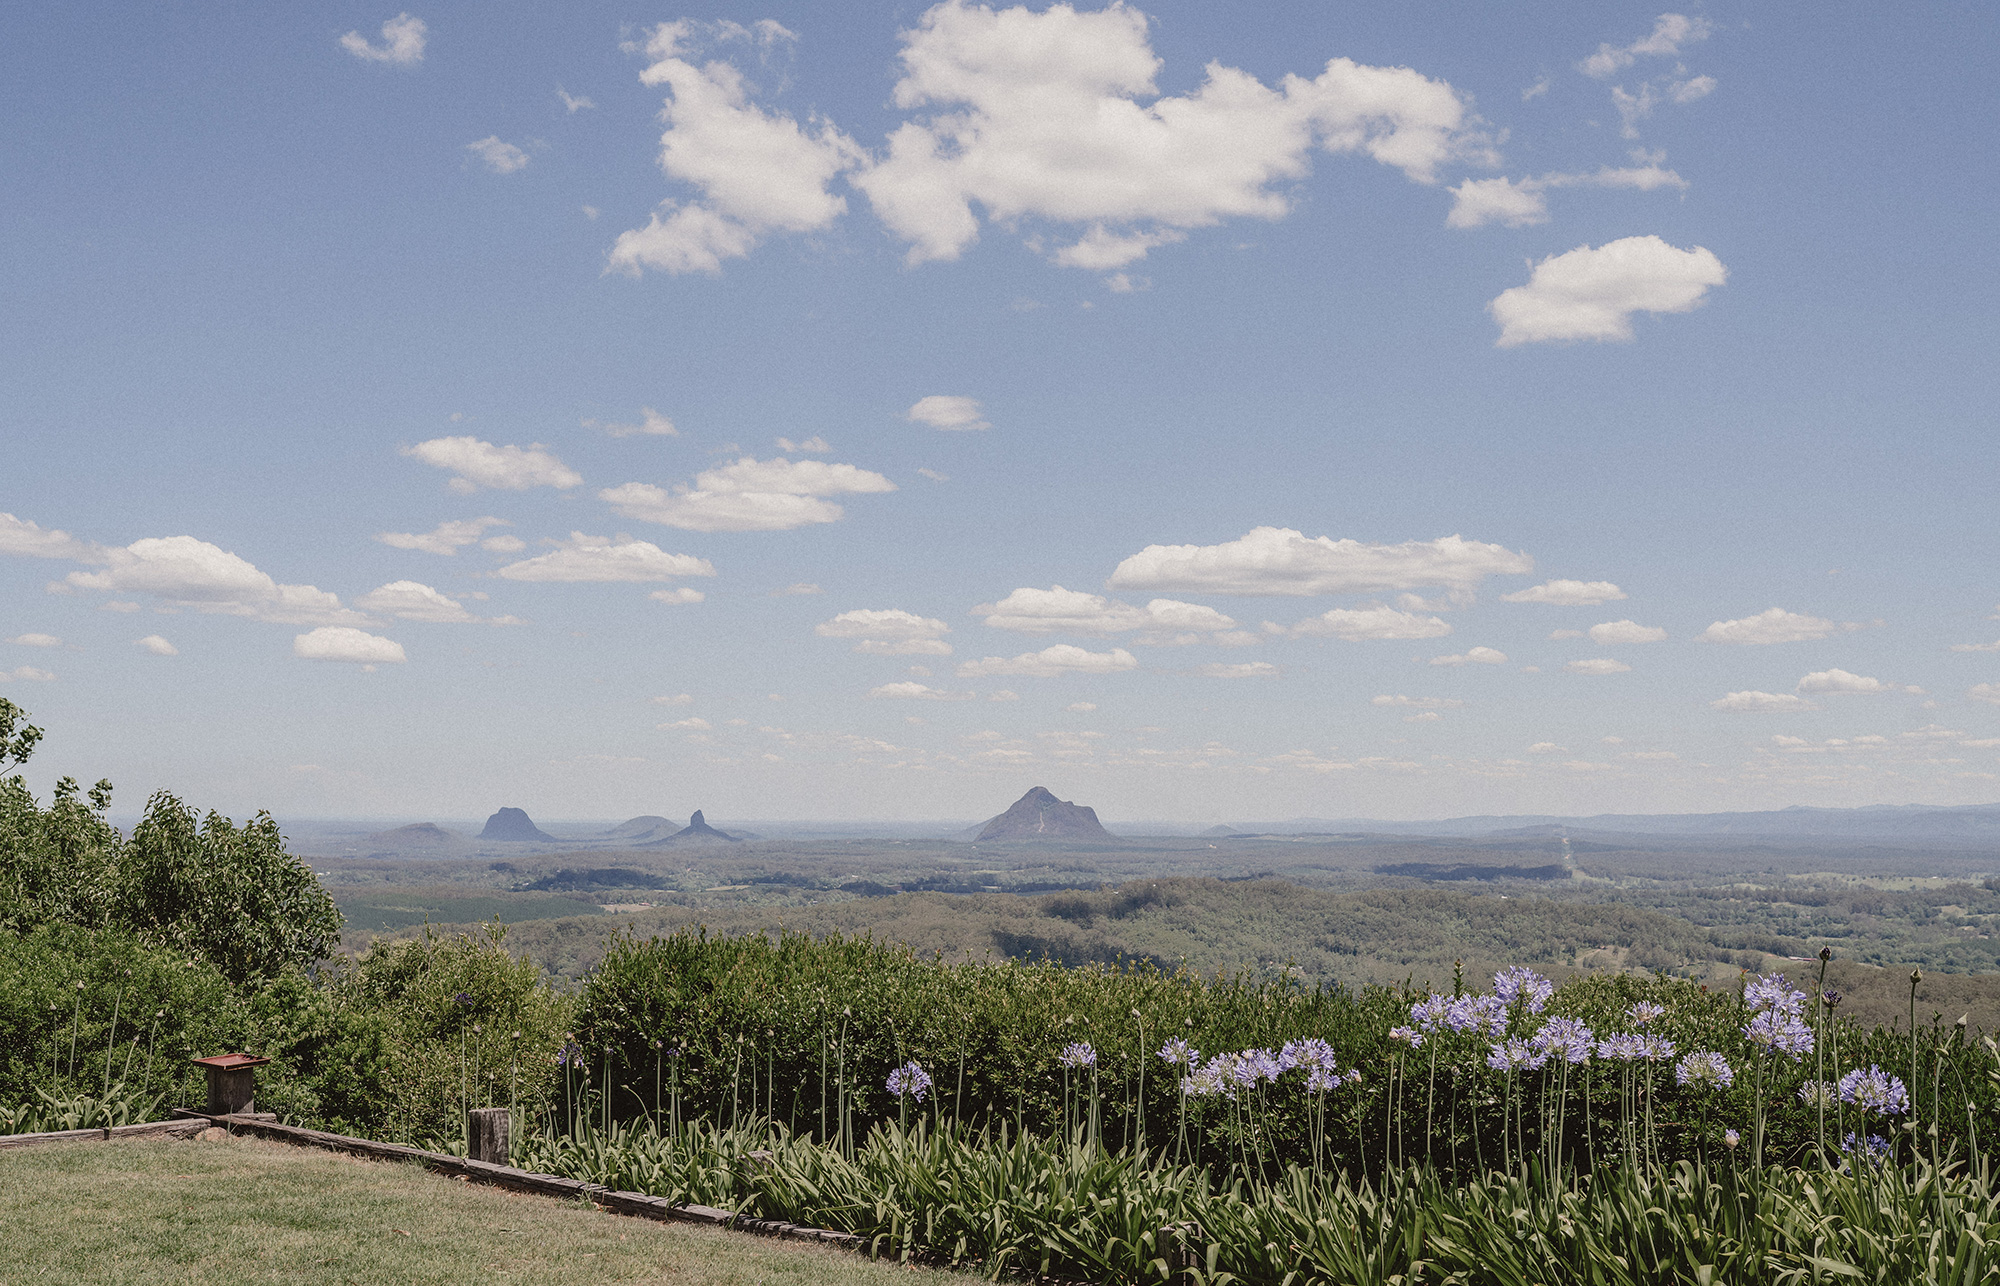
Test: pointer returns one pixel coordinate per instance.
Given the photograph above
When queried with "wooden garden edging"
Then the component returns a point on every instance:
(504, 1176)
(102, 1133)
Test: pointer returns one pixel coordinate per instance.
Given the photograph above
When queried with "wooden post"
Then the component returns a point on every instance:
(232, 1083)
(487, 1135)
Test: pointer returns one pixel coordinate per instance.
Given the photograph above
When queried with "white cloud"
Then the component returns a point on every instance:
(1418, 703)
(1037, 116)
(1626, 632)
(409, 600)
(499, 157)
(651, 425)
(1546, 748)
(1081, 707)
(797, 588)
(942, 411)
(692, 724)
(1670, 32)
(1599, 666)
(503, 544)
(1067, 611)
(1535, 90)
(1246, 670)
(1520, 203)
(910, 690)
(584, 558)
(1762, 703)
(27, 674)
(888, 632)
(344, 643)
(757, 172)
(158, 646)
(681, 699)
(573, 103)
(1773, 625)
(1987, 692)
(1473, 656)
(1277, 560)
(1977, 647)
(1842, 681)
(1051, 662)
(811, 446)
(477, 464)
(187, 573)
(1002, 694)
(36, 640)
(1591, 293)
(402, 42)
(678, 597)
(447, 539)
(749, 495)
(1364, 624)
(934, 475)
(1567, 593)
(23, 539)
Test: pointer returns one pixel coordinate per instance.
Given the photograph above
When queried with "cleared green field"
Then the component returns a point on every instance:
(392, 908)
(241, 1210)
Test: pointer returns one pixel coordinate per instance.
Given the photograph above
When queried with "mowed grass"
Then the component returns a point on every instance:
(243, 1210)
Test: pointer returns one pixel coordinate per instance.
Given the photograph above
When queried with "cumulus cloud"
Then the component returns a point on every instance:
(1567, 593)
(1671, 31)
(503, 544)
(1039, 116)
(23, 539)
(910, 690)
(1051, 117)
(1246, 670)
(183, 572)
(651, 425)
(475, 464)
(345, 643)
(888, 632)
(679, 699)
(574, 103)
(1546, 748)
(1365, 624)
(1626, 632)
(409, 600)
(447, 539)
(811, 446)
(679, 597)
(1066, 611)
(36, 640)
(1278, 560)
(1473, 656)
(941, 411)
(584, 558)
(158, 646)
(1773, 625)
(1761, 703)
(1418, 703)
(498, 156)
(27, 674)
(402, 44)
(1842, 681)
(1051, 662)
(757, 172)
(694, 723)
(1081, 707)
(1977, 647)
(749, 495)
(1987, 692)
(1520, 203)
(1591, 293)
(1599, 666)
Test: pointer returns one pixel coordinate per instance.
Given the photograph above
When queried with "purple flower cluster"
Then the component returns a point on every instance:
(1522, 985)
(910, 1079)
(1408, 1035)
(1224, 1074)
(1644, 1012)
(1707, 1069)
(1873, 1148)
(1476, 1014)
(1428, 1015)
(1875, 1091)
(1515, 1055)
(1776, 1024)
(1566, 1039)
(1179, 1053)
(1079, 1053)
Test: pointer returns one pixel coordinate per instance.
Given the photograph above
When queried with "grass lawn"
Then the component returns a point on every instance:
(244, 1210)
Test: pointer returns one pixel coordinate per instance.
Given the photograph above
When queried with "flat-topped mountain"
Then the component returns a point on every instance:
(697, 829)
(419, 833)
(642, 828)
(512, 824)
(1040, 815)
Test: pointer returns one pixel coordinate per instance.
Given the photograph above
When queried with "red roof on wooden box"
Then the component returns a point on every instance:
(229, 1062)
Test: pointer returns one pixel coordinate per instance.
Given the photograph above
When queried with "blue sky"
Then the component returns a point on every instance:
(607, 411)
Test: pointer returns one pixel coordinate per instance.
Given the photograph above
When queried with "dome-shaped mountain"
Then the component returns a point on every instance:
(1040, 815)
(514, 825)
(696, 829)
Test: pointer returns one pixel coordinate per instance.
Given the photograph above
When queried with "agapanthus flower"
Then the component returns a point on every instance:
(1079, 1053)
(1309, 1053)
(1783, 1031)
(1621, 1048)
(1643, 1013)
(910, 1079)
(1322, 1078)
(1564, 1038)
(1408, 1035)
(1873, 1148)
(1353, 1076)
(1875, 1091)
(1520, 983)
(1478, 1013)
(1430, 1013)
(1706, 1068)
(1515, 1055)
(1179, 1053)
(1655, 1049)
(1731, 1138)
(1773, 992)
(1818, 1094)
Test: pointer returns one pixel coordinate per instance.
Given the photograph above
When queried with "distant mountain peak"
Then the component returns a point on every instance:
(696, 829)
(1040, 815)
(514, 825)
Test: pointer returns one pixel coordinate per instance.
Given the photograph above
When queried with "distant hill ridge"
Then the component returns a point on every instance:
(1040, 815)
(513, 825)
